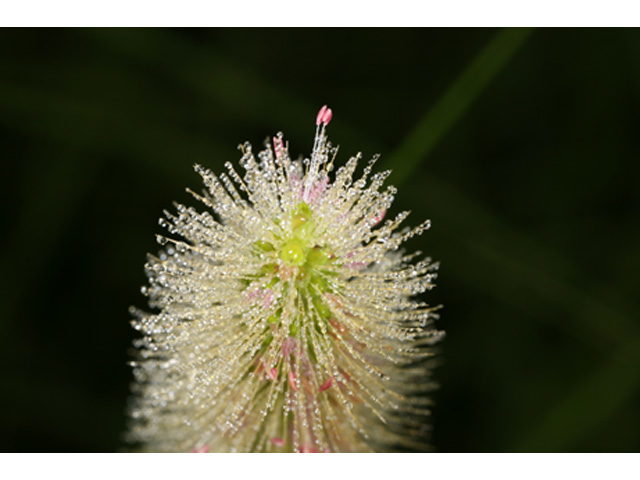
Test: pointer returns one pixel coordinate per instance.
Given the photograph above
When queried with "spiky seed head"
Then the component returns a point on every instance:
(285, 314)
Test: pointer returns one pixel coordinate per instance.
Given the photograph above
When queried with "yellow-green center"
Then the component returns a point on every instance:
(303, 250)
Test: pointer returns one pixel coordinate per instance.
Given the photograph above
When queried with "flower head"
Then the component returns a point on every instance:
(285, 316)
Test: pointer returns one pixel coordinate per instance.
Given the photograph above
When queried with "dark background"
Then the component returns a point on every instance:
(521, 147)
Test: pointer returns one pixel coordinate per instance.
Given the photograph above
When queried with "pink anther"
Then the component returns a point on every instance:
(321, 114)
(202, 449)
(328, 382)
(292, 381)
(326, 118)
(277, 441)
(306, 448)
(263, 367)
(273, 374)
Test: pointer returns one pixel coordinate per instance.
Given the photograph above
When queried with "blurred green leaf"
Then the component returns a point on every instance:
(454, 102)
(588, 404)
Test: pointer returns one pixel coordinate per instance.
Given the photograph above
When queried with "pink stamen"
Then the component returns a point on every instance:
(253, 293)
(267, 298)
(334, 299)
(259, 367)
(337, 325)
(273, 374)
(317, 191)
(321, 114)
(328, 382)
(326, 118)
(356, 265)
(286, 272)
(289, 346)
(277, 146)
(378, 219)
(292, 382)
(203, 449)
(306, 448)
(277, 441)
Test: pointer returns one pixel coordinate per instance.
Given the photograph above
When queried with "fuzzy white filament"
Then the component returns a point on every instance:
(285, 317)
